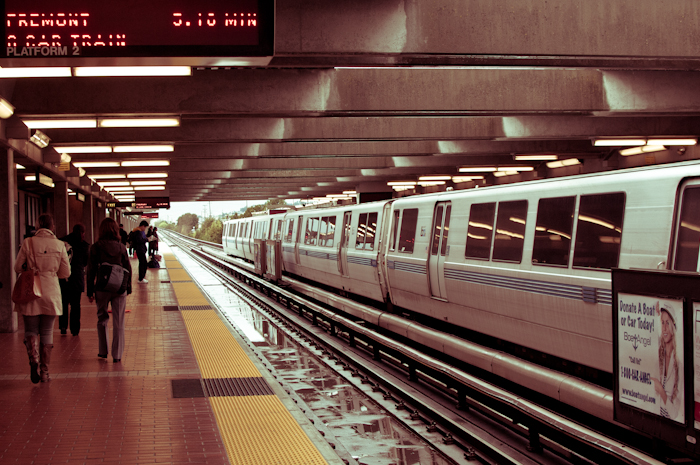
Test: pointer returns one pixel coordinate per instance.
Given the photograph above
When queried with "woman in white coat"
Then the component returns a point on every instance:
(47, 254)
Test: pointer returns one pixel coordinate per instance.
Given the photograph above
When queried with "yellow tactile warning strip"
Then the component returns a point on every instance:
(178, 274)
(256, 429)
(218, 353)
(189, 294)
(260, 430)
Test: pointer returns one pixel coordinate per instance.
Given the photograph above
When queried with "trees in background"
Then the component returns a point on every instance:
(210, 230)
(187, 223)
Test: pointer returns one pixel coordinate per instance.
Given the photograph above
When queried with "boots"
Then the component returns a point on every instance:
(32, 343)
(44, 362)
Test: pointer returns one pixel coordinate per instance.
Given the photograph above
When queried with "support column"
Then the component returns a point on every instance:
(99, 215)
(60, 206)
(8, 252)
(88, 219)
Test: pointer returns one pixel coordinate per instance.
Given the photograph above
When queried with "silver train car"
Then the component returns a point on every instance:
(526, 263)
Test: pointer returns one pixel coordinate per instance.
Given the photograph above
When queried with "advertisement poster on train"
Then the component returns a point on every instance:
(650, 354)
(696, 361)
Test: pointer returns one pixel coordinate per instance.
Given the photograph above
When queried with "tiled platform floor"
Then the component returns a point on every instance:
(95, 411)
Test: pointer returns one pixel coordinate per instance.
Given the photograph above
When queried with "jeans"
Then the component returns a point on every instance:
(70, 297)
(118, 301)
(143, 264)
(41, 325)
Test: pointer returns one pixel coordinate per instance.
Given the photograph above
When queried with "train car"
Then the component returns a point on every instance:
(530, 263)
(338, 247)
(238, 236)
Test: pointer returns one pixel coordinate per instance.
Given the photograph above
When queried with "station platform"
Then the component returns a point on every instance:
(187, 390)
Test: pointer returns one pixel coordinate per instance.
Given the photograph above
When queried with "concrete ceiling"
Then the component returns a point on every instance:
(360, 93)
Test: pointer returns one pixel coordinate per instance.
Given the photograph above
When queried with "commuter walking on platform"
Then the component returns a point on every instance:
(108, 258)
(138, 242)
(47, 255)
(73, 288)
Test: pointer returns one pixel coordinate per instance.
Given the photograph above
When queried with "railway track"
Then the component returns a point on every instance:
(486, 422)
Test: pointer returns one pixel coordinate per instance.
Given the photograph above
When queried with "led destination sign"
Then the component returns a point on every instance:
(135, 28)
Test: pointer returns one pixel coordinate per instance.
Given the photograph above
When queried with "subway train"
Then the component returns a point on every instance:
(528, 263)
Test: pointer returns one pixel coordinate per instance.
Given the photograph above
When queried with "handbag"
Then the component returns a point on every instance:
(28, 285)
(112, 278)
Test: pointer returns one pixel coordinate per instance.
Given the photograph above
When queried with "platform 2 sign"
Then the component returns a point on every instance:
(46, 29)
(650, 356)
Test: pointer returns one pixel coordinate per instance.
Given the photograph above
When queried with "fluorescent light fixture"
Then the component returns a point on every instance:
(477, 169)
(401, 183)
(6, 109)
(81, 172)
(499, 173)
(430, 183)
(19, 167)
(71, 193)
(39, 139)
(65, 158)
(515, 168)
(149, 188)
(435, 178)
(146, 163)
(535, 157)
(143, 148)
(642, 149)
(402, 188)
(350, 192)
(618, 142)
(146, 175)
(138, 122)
(333, 196)
(562, 163)
(113, 183)
(147, 183)
(96, 164)
(123, 189)
(34, 72)
(672, 142)
(84, 149)
(87, 71)
(30, 177)
(60, 123)
(107, 176)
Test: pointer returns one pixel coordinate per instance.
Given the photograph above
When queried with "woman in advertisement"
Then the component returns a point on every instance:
(669, 387)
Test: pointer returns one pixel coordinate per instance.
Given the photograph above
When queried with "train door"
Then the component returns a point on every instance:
(344, 241)
(300, 223)
(438, 249)
(687, 250)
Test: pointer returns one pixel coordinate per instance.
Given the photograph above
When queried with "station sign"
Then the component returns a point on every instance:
(656, 354)
(120, 204)
(148, 203)
(149, 215)
(86, 32)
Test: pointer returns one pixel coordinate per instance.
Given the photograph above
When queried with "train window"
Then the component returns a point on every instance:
(510, 231)
(599, 230)
(232, 230)
(446, 230)
(361, 227)
(480, 231)
(555, 219)
(290, 230)
(395, 229)
(370, 231)
(311, 231)
(278, 233)
(327, 232)
(437, 230)
(688, 241)
(407, 237)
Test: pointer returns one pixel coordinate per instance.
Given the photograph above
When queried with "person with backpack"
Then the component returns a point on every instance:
(73, 287)
(108, 255)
